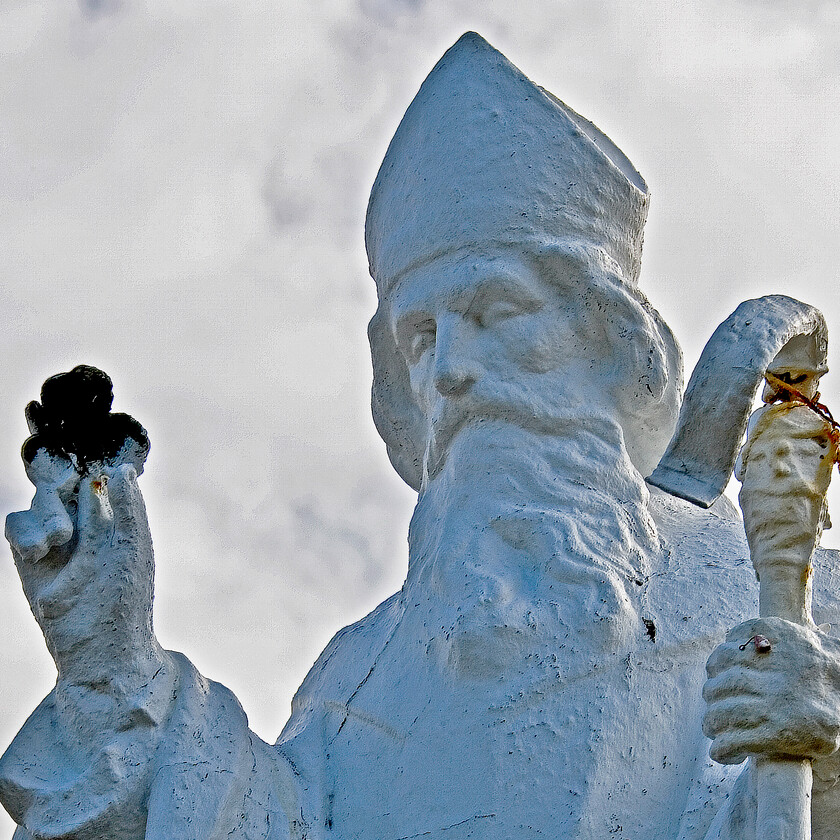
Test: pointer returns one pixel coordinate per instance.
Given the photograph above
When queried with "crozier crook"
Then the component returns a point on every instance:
(775, 333)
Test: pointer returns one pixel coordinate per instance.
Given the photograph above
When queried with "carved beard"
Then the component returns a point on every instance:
(522, 528)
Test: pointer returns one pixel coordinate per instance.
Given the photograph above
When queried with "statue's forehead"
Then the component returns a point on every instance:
(788, 422)
(449, 277)
(789, 432)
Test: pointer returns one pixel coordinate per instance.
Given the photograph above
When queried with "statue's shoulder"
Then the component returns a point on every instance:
(704, 568)
(705, 551)
(349, 657)
(699, 537)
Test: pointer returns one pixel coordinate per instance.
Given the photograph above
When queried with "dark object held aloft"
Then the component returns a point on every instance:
(74, 420)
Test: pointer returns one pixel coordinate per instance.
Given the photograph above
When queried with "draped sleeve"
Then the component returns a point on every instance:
(201, 775)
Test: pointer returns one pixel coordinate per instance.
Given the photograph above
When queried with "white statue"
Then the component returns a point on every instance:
(541, 672)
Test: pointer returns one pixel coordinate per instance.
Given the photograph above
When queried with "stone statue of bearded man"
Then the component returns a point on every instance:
(540, 673)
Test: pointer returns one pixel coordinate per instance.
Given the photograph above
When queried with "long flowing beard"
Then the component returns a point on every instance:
(546, 533)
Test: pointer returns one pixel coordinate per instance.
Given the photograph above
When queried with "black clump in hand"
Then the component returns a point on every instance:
(74, 420)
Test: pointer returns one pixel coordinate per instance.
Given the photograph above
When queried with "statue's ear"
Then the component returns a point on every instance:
(720, 394)
(398, 419)
(640, 362)
(650, 388)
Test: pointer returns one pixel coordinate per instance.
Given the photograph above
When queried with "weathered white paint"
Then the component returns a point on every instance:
(540, 673)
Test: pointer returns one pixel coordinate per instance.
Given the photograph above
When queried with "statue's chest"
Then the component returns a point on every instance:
(522, 705)
(519, 735)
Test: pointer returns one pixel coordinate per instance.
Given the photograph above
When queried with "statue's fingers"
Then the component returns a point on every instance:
(775, 630)
(33, 533)
(734, 682)
(134, 453)
(94, 514)
(50, 521)
(124, 493)
(821, 734)
(127, 504)
(734, 714)
(724, 751)
(768, 740)
(25, 536)
(46, 470)
(722, 658)
(770, 627)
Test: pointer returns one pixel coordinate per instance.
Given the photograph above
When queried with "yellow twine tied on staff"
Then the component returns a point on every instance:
(786, 392)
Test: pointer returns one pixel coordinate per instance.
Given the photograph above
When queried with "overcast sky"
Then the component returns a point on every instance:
(182, 196)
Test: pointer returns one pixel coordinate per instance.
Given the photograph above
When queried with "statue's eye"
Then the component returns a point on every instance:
(497, 311)
(500, 301)
(782, 450)
(422, 339)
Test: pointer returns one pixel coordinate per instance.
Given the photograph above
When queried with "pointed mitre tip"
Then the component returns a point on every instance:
(473, 39)
(469, 46)
(478, 134)
(471, 36)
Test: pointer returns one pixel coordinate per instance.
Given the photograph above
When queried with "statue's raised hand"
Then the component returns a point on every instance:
(82, 765)
(83, 549)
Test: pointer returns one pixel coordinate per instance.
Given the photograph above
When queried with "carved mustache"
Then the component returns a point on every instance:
(447, 421)
(453, 414)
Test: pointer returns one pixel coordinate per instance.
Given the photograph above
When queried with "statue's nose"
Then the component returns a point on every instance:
(782, 468)
(456, 369)
(453, 383)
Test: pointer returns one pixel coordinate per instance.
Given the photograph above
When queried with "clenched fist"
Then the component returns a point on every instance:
(782, 703)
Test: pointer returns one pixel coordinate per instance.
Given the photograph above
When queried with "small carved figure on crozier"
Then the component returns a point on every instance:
(785, 468)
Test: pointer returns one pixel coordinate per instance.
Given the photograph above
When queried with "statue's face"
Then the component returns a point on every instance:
(486, 339)
(785, 463)
(786, 474)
